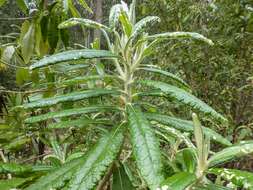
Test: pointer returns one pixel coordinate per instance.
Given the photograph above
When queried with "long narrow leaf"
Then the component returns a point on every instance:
(185, 125)
(146, 148)
(184, 97)
(96, 162)
(231, 153)
(75, 96)
(240, 178)
(182, 35)
(70, 56)
(177, 80)
(70, 112)
(179, 181)
(83, 22)
(77, 123)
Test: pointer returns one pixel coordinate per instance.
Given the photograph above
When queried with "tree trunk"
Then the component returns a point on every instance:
(98, 14)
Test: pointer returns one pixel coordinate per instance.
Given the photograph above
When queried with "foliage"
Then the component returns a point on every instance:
(100, 118)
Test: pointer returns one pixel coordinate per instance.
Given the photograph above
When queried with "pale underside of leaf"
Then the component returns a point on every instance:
(180, 35)
(83, 22)
(140, 26)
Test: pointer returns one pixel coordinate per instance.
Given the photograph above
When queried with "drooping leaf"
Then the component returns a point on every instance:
(140, 26)
(231, 153)
(180, 35)
(28, 43)
(70, 112)
(186, 125)
(184, 97)
(74, 96)
(96, 161)
(177, 80)
(145, 147)
(83, 22)
(72, 55)
(179, 181)
(121, 180)
(240, 178)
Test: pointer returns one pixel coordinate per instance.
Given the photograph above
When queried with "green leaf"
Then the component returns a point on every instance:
(82, 79)
(114, 15)
(121, 180)
(23, 5)
(83, 22)
(13, 183)
(240, 178)
(74, 96)
(180, 35)
(85, 5)
(72, 55)
(126, 24)
(184, 97)
(174, 78)
(185, 125)
(65, 6)
(145, 147)
(231, 153)
(97, 160)
(77, 123)
(14, 168)
(180, 181)
(140, 26)
(8, 53)
(211, 187)
(22, 75)
(73, 10)
(58, 177)
(70, 112)
(2, 2)
(28, 43)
